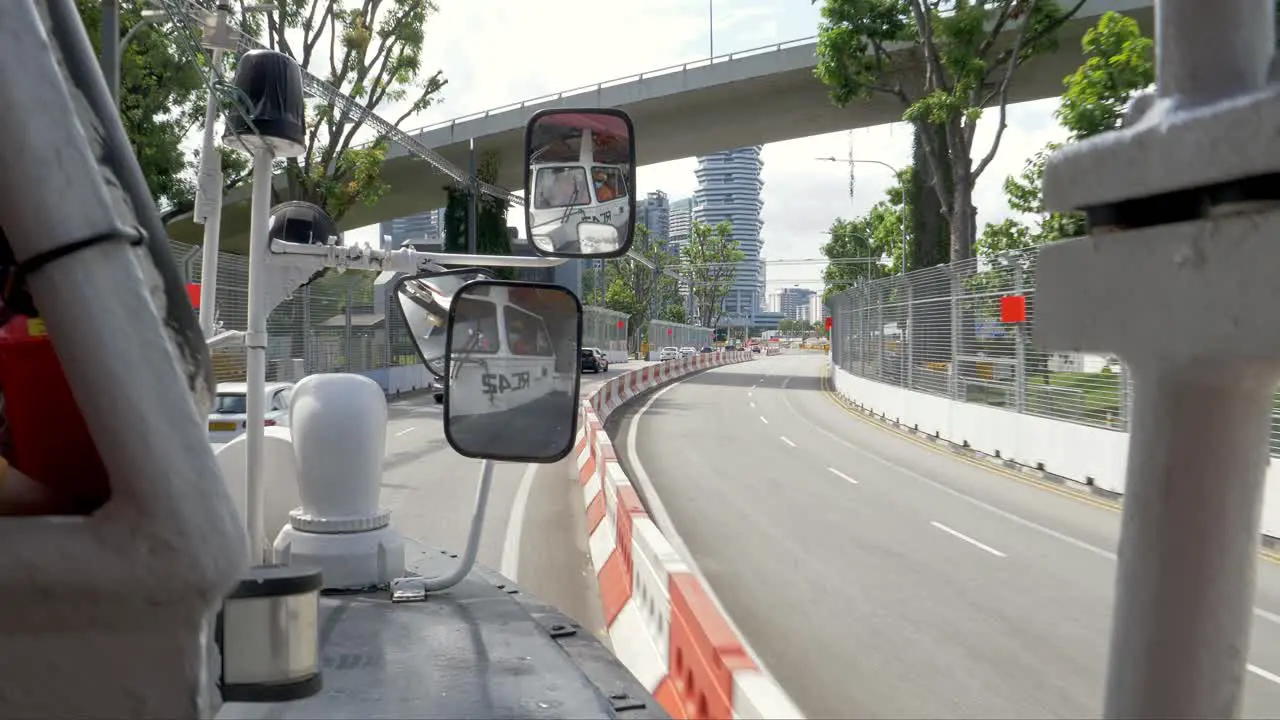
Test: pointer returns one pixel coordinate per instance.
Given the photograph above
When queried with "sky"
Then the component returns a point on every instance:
(525, 50)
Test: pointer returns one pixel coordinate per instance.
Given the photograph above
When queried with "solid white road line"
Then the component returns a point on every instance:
(842, 476)
(784, 439)
(967, 539)
(510, 564)
(407, 430)
(764, 420)
(1264, 674)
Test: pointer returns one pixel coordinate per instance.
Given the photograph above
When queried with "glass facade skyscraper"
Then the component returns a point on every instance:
(729, 188)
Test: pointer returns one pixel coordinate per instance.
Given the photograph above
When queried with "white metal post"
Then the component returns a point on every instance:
(209, 208)
(256, 354)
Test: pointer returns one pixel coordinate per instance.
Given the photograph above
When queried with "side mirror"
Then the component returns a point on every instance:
(424, 301)
(580, 183)
(513, 366)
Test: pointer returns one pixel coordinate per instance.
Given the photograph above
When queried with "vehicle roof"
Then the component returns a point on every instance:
(239, 388)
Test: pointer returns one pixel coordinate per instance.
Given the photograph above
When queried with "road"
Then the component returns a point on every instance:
(877, 576)
(535, 529)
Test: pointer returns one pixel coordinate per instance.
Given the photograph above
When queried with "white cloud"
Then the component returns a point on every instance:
(498, 52)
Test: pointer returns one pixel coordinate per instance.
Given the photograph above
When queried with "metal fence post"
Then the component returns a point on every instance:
(953, 369)
(908, 337)
(1020, 348)
(346, 336)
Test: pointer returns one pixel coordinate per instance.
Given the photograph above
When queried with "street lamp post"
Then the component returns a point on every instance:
(113, 46)
(902, 269)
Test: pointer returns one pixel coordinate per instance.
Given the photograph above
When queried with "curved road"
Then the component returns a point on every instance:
(875, 575)
(431, 492)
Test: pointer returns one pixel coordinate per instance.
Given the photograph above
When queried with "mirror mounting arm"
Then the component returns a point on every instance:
(364, 257)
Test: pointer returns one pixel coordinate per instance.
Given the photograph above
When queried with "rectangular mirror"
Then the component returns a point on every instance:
(512, 366)
(580, 181)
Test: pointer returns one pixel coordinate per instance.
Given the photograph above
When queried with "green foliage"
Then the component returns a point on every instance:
(162, 98)
(712, 257)
(375, 56)
(492, 236)
(637, 290)
(944, 63)
(1119, 63)
(929, 231)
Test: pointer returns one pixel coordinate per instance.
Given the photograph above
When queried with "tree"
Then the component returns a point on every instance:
(636, 289)
(711, 256)
(855, 249)
(492, 236)
(162, 100)
(929, 231)
(957, 63)
(373, 53)
(1119, 63)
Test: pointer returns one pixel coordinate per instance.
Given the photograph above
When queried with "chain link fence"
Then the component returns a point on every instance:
(940, 330)
(605, 329)
(339, 323)
(663, 334)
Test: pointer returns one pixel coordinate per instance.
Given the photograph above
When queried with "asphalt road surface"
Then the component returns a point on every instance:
(875, 576)
(535, 527)
(537, 429)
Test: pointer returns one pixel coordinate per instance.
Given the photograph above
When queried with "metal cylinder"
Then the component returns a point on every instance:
(268, 632)
(1188, 543)
(1206, 52)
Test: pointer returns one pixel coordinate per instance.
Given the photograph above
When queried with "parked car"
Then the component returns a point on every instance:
(669, 353)
(602, 357)
(229, 414)
(591, 361)
(687, 352)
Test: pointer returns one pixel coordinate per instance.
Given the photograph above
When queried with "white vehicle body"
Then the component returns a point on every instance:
(688, 352)
(669, 353)
(487, 375)
(227, 419)
(564, 195)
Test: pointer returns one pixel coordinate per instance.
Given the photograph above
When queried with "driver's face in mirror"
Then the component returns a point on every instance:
(581, 170)
(513, 368)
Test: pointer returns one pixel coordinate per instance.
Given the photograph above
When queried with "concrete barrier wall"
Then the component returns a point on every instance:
(663, 623)
(1088, 455)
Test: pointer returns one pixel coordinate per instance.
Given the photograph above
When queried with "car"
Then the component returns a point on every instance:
(669, 353)
(437, 391)
(755, 348)
(591, 361)
(228, 416)
(708, 349)
(687, 352)
(602, 357)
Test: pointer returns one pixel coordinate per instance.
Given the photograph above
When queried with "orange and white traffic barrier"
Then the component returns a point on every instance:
(663, 622)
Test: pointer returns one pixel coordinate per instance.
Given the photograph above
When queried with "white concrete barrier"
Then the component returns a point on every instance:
(1089, 455)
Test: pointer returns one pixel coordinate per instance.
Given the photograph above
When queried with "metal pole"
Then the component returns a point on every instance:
(1020, 348)
(711, 28)
(902, 270)
(256, 352)
(110, 58)
(209, 207)
(471, 198)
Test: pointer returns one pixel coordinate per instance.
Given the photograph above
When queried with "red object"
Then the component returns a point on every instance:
(670, 332)
(49, 441)
(597, 123)
(193, 294)
(622, 324)
(1013, 308)
(828, 322)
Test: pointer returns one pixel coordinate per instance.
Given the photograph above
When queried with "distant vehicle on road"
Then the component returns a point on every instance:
(592, 362)
(687, 352)
(708, 349)
(227, 418)
(603, 356)
(669, 353)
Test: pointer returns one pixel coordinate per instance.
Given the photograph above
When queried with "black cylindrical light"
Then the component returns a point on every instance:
(269, 635)
(270, 109)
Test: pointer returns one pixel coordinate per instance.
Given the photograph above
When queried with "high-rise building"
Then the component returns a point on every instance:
(729, 188)
(655, 213)
(425, 229)
(679, 221)
(792, 302)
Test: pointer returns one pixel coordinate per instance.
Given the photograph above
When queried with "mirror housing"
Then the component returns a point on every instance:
(424, 300)
(302, 223)
(512, 363)
(580, 169)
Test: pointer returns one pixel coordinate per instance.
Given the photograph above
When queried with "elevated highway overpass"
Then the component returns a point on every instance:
(759, 96)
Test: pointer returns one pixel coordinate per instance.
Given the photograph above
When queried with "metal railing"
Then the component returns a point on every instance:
(338, 324)
(940, 331)
(597, 87)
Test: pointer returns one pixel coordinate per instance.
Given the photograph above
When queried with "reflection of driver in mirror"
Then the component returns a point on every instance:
(604, 190)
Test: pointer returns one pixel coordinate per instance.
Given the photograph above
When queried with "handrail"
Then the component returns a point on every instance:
(635, 77)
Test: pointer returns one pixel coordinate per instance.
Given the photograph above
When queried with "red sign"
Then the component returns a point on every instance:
(193, 294)
(669, 332)
(622, 324)
(828, 323)
(1013, 308)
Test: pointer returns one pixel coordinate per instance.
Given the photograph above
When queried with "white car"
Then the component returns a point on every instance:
(669, 353)
(687, 352)
(227, 419)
